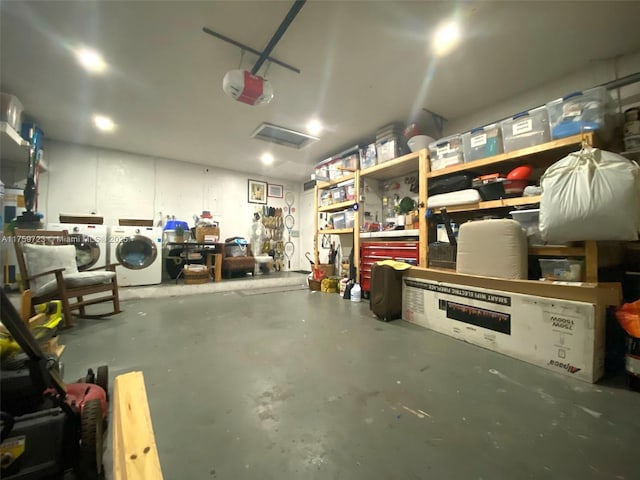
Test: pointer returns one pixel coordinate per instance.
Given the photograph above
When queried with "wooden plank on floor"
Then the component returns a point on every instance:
(117, 449)
(135, 455)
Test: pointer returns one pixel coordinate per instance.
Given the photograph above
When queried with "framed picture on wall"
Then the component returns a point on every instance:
(257, 191)
(274, 190)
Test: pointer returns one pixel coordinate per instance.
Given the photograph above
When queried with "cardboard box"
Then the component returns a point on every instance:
(207, 234)
(563, 336)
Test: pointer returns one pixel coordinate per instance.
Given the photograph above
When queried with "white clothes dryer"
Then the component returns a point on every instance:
(138, 251)
(92, 247)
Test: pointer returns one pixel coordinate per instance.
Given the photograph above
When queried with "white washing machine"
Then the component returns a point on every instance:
(92, 247)
(138, 250)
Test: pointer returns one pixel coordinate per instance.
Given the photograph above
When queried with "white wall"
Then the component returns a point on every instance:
(596, 73)
(116, 185)
(306, 227)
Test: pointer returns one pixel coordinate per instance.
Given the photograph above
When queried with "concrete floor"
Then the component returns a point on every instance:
(297, 384)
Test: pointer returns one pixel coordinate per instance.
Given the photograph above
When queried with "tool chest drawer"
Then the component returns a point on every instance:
(372, 252)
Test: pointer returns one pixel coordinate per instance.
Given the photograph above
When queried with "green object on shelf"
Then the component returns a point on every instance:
(407, 204)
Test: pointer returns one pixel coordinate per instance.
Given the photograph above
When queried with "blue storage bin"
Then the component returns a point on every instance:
(172, 224)
(580, 112)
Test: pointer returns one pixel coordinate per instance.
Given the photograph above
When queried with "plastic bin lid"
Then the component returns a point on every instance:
(172, 224)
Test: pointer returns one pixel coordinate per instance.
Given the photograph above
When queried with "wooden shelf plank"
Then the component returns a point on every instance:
(597, 293)
(557, 251)
(344, 178)
(505, 202)
(515, 155)
(393, 168)
(335, 231)
(135, 454)
(391, 234)
(334, 207)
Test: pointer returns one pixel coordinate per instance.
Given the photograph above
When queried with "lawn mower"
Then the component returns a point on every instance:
(48, 427)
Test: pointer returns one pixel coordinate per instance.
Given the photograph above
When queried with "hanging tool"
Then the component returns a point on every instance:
(332, 253)
(308, 257)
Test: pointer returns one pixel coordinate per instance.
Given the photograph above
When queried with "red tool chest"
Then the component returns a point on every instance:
(372, 252)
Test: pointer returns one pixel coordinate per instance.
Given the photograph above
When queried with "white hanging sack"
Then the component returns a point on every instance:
(590, 195)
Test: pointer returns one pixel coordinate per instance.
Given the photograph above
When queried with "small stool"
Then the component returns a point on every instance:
(216, 269)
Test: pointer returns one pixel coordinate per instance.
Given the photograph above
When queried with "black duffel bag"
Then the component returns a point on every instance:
(450, 183)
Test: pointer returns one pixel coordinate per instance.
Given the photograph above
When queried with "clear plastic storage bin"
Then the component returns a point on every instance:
(351, 163)
(580, 112)
(368, 156)
(322, 170)
(336, 169)
(338, 220)
(349, 218)
(482, 142)
(338, 194)
(526, 129)
(446, 152)
(388, 150)
(561, 269)
(529, 221)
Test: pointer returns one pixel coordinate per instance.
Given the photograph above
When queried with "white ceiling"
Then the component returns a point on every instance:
(363, 65)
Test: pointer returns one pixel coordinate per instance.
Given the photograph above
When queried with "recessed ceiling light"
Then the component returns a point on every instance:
(91, 60)
(103, 123)
(446, 38)
(267, 158)
(314, 127)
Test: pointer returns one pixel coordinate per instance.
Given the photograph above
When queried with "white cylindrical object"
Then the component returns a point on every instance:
(356, 293)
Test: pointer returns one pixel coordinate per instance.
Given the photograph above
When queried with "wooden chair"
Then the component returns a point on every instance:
(48, 268)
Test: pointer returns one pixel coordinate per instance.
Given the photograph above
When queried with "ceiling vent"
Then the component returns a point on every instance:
(283, 136)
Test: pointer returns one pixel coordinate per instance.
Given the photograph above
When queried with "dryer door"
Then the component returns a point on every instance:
(136, 252)
(87, 250)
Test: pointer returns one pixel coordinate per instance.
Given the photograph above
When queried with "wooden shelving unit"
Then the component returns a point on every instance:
(409, 163)
(505, 202)
(336, 231)
(336, 207)
(343, 179)
(398, 167)
(540, 156)
(393, 168)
